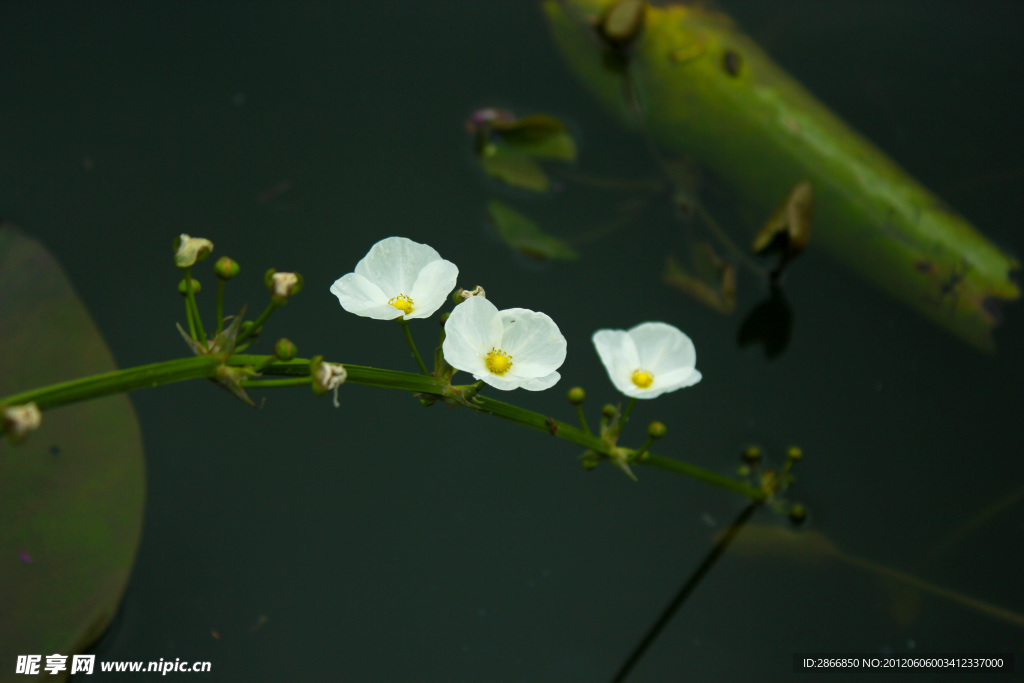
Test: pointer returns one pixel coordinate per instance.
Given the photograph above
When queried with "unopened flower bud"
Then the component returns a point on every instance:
(327, 377)
(752, 454)
(609, 411)
(188, 250)
(576, 395)
(444, 318)
(225, 268)
(285, 349)
(656, 430)
(795, 453)
(183, 286)
(20, 420)
(282, 285)
(797, 513)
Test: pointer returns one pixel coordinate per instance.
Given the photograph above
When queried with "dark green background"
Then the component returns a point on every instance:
(385, 542)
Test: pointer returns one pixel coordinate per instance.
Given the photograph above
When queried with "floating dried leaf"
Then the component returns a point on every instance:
(712, 281)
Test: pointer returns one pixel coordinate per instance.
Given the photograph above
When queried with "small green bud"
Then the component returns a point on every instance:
(609, 411)
(225, 268)
(797, 513)
(795, 453)
(590, 460)
(576, 396)
(743, 471)
(752, 454)
(656, 430)
(621, 21)
(246, 327)
(285, 349)
(444, 318)
(196, 287)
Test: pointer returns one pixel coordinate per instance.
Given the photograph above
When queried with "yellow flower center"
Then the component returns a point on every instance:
(642, 378)
(498, 361)
(402, 303)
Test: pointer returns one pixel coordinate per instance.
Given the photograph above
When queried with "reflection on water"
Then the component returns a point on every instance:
(392, 542)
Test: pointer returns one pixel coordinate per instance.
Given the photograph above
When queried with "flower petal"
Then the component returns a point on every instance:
(504, 383)
(663, 348)
(431, 288)
(676, 379)
(533, 340)
(358, 295)
(394, 263)
(541, 383)
(472, 329)
(618, 353)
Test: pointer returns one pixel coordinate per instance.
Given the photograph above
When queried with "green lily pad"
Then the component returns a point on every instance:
(525, 236)
(73, 492)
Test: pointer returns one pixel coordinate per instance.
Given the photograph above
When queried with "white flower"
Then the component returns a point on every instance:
(283, 284)
(20, 420)
(398, 278)
(510, 349)
(329, 377)
(476, 291)
(648, 360)
(191, 249)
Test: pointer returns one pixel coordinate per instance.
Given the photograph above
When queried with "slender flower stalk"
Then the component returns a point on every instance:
(583, 418)
(220, 307)
(258, 323)
(193, 309)
(412, 346)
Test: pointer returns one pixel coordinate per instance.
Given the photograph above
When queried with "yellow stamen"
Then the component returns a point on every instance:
(498, 361)
(642, 378)
(402, 303)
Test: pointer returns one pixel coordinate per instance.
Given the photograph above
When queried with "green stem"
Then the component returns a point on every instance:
(193, 308)
(583, 418)
(357, 374)
(266, 383)
(189, 317)
(296, 373)
(706, 476)
(257, 324)
(117, 382)
(396, 379)
(220, 305)
(625, 415)
(642, 451)
(412, 346)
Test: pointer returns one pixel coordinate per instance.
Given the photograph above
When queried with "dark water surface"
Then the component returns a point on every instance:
(385, 542)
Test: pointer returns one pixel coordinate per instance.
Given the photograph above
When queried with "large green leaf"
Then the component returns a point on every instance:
(525, 236)
(709, 92)
(509, 148)
(71, 495)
